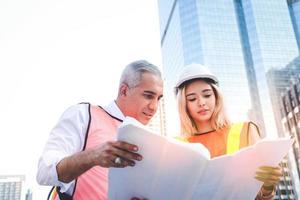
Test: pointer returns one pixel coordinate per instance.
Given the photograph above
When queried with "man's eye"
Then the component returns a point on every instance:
(207, 95)
(148, 96)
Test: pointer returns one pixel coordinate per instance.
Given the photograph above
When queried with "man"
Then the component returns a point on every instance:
(82, 145)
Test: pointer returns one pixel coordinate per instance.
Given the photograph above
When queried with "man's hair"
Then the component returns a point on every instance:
(133, 72)
(188, 126)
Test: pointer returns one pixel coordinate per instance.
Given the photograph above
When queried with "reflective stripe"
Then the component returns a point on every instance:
(54, 195)
(182, 139)
(233, 138)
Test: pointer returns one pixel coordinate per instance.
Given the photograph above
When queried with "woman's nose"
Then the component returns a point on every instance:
(201, 102)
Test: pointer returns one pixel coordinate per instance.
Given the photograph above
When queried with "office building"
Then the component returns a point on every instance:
(239, 41)
(11, 187)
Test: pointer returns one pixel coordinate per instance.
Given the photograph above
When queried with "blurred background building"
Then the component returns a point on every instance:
(279, 82)
(253, 48)
(158, 122)
(28, 195)
(11, 187)
(290, 107)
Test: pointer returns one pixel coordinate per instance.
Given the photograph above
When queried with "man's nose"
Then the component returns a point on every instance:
(153, 105)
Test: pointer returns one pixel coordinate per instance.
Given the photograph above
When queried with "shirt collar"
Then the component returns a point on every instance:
(113, 109)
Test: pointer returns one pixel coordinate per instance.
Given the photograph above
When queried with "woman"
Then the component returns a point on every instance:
(203, 120)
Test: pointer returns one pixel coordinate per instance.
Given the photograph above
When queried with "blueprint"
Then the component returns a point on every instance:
(176, 170)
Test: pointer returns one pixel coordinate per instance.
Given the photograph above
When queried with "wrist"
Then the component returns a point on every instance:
(93, 157)
(267, 192)
(269, 188)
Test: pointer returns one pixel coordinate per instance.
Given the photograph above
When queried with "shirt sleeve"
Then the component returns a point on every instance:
(65, 139)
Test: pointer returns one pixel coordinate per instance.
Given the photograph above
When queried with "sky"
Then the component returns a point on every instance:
(54, 54)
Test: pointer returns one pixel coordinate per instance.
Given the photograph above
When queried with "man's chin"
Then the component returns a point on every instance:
(145, 121)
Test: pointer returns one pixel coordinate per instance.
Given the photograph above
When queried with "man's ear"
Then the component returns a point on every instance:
(123, 89)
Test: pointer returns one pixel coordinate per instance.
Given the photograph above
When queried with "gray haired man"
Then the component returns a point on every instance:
(82, 145)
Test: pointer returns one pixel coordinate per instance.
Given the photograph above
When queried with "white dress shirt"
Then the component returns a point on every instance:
(66, 139)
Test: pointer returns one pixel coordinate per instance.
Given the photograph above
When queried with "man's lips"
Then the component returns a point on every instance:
(148, 115)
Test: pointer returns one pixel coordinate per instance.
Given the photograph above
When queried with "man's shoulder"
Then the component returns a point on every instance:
(80, 110)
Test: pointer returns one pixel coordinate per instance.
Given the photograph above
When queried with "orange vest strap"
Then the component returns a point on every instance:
(52, 194)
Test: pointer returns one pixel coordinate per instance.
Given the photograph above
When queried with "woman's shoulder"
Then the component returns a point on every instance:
(245, 124)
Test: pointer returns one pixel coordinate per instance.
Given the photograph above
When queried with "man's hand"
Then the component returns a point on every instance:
(104, 155)
(107, 153)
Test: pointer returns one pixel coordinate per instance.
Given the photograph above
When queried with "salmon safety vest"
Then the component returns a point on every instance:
(93, 184)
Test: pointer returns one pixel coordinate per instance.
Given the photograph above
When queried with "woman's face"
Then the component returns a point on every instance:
(200, 101)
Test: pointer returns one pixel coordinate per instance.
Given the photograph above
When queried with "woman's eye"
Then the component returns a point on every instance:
(207, 95)
(192, 99)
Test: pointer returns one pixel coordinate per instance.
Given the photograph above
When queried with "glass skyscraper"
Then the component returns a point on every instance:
(239, 41)
(294, 8)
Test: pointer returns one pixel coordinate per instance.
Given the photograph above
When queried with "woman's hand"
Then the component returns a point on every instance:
(269, 175)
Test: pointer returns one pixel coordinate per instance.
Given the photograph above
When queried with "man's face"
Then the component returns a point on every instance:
(142, 100)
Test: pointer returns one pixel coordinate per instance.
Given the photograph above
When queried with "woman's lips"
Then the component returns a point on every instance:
(203, 112)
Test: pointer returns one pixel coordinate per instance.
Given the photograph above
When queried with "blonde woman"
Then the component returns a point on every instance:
(203, 120)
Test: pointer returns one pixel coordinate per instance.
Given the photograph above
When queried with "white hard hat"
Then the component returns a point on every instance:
(194, 71)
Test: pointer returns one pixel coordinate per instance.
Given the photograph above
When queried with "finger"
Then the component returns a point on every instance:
(270, 168)
(267, 176)
(135, 198)
(270, 173)
(127, 155)
(126, 162)
(122, 164)
(267, 182)
(264, 179)
(125, 146)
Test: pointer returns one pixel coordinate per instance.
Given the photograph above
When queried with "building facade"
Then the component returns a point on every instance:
(290, 103)
(279, 81)
(239, 43)
(158, 122)
(11, 187)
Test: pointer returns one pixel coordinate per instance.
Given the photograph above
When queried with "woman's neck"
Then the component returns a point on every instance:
(204, 127)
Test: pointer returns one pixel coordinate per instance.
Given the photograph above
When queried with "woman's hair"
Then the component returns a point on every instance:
(218, 120)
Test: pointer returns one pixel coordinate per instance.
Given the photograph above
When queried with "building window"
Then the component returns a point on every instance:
(297, 90)
(291, 97)
(297, 114)
(285, 104)
(286, 127)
